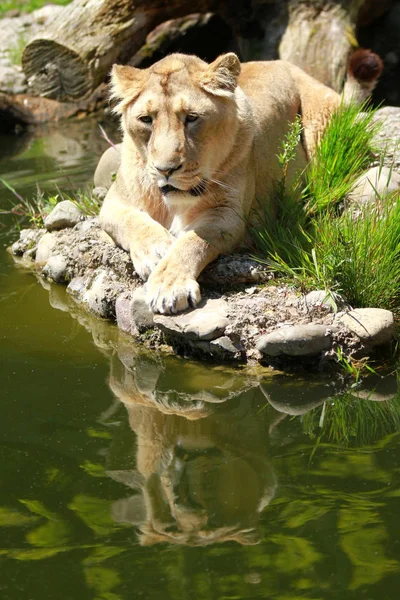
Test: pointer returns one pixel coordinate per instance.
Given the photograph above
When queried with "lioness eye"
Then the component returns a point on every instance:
(191, 118)
(146, 119)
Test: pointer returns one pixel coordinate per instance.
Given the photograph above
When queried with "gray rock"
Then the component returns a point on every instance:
(374, 326)
(99, 192)
(234, 269)
(141, 316)
(12, 80)
(123, 311)
(224, 346)
(297, 340)
(28, 240)
(89, 224)
(65, 214)
(376, 183)
(77, 285)
(107, 167)
(132, 312)
(329, 301)
(25, 26)
(56, 268)
(101, 294)
(206, 322)
(45, 248)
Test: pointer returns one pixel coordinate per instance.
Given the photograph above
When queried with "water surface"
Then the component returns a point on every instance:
(125, 473)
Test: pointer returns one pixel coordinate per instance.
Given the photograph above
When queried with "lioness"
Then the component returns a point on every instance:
(198, 154)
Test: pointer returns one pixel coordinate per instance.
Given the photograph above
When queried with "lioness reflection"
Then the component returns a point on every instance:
(203, 469)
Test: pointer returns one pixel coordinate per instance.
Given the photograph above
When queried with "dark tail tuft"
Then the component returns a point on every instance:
(365, 66)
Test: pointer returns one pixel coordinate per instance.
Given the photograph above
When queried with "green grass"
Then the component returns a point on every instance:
(36, 210)
(316, 242)
(343, 153)
(27, 5)
(15, 51)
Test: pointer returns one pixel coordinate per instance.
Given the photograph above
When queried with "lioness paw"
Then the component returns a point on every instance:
(145, 259)
(168, 294)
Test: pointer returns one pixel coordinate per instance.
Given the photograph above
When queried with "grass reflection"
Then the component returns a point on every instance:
(358, 417)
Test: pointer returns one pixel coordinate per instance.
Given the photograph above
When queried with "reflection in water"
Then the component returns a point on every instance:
(235, 471)
(203, 471)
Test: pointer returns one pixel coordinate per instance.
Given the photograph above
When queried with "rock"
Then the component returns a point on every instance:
(374, 326)
(386, 139)
(297, 340)
(376, 183)
(45, 248)
(55, 268)
(28, 240)
(64, 214)
(101, 294)
(123, 311)
(141, 316)
(87, 225)
(224, 347)
(234, 269)
(206, 322)
(107, 167)
(329, 301)
(18, 30)
(133, 313)
(12, 80)
(77, 285)
(99, 193)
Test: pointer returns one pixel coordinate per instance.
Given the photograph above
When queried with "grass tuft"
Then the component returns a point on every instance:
(36, 210)
(315, 241)
(345, 151)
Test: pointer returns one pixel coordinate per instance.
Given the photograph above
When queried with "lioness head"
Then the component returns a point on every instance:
(182, 115)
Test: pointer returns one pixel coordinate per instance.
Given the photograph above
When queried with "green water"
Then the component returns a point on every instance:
(126, 474)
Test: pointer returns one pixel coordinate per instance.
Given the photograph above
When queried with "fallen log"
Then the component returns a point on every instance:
(74, 54)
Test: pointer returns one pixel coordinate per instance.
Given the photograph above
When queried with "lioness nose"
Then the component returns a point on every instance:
(167, 170)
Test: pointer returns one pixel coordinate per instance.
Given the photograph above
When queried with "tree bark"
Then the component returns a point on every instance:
(319, 37)
(73, 56)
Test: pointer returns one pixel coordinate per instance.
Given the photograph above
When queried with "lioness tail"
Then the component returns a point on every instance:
(363, 71)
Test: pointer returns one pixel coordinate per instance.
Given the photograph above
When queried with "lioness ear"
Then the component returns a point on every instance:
(221, 76)
(126, 85)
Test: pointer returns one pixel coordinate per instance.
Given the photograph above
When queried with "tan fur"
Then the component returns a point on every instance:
(204, 474)
(229, 153)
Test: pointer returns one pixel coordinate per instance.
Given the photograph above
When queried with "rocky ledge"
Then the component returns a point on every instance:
(245, 314)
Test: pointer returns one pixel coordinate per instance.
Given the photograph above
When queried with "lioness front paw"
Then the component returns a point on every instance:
(146, 258)
(169, 293)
